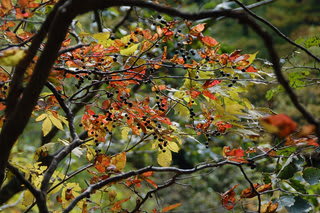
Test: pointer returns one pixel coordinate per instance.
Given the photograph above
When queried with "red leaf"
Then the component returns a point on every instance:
(151, 182)
(209, 41)
(209, 83)
(234, 152)
(194, 93)
(228, 199)
(209, 95)
(173, 206)
(280, 124)
(251, 69)
(222, 126)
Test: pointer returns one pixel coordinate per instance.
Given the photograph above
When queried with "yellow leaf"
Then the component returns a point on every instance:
(46, 126)
(27, 198)
(173, 147)
(90, 153)
(57, 123)
(41, 117)
(252, 57)
(63, 119)
(119, 160)
(125, 39)
(233, 107)
(103, 38)
(164, 158)
(100, 37)
(11, 57)
(125, 132)
(130, 50)
(182, 111)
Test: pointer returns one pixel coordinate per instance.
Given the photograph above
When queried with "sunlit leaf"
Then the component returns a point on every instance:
(11, 57)
(57, 123)
(41, 117)
(46, 126)
(130, 50)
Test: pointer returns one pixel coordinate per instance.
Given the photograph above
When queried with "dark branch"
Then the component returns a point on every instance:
(276, 30)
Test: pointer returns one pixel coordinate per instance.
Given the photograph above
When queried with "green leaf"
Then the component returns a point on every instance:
(288, 169)
(296, 184)
(311, 175)
(300, 206)
(311, 42)
(287, 151)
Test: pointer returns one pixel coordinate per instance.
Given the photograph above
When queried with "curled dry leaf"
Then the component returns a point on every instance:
(228, 199)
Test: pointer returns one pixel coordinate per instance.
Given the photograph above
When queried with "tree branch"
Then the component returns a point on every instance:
(39, 196)
(276, 30)
(126, 175)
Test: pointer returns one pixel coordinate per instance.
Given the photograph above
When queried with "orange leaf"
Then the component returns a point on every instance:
(6, 5)
(280, 124)
(269, 207)
(228, 199)
(197, 29)
(306, 130)
(106, 104)
(158, 88)
(195, 93)
(173, 206)
(209, 95)
(151, 182)
(251, 69)
(234, 152)
(117, 205)
(264, 187)
(147, 174)
(119, 161)
(209, 41)
(249, 193)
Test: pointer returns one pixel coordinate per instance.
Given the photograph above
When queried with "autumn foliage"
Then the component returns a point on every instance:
(155, 86)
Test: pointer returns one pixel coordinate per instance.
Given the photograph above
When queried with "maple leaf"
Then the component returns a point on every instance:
(228, 199)
(280, 124)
